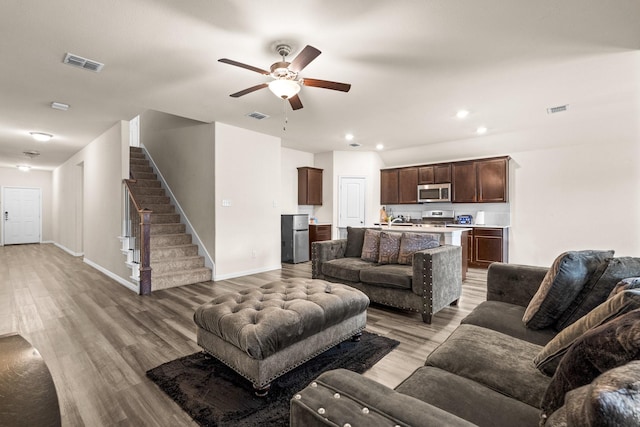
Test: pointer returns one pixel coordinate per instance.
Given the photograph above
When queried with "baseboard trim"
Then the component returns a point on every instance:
(112, 275)
(67, 250)
(245, 273)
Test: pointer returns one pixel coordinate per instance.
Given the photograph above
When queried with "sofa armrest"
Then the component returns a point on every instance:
(513, 283)
(432, 267)
(339, 397)
(323, 251)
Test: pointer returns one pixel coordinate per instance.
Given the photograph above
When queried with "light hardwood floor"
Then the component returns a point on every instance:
(99, 338)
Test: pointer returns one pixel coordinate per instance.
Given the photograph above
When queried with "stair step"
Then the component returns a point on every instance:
(137, 156)
(165, 218)
(144, 175)
(151, 200)
(180, 278)
(158, 241)
(147, 183)
(133, 149)
(174, 228)
(159, 208)
(178, 251)
(147, 191)
(177, 264)
(141, 168)
(138, 161)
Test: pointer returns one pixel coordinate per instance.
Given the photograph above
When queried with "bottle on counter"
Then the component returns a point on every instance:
(383, 214)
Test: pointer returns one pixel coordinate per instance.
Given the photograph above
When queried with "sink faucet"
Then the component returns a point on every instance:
(393, 221)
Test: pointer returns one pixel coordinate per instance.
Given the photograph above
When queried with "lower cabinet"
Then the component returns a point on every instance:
(487, 245)
(318, 233)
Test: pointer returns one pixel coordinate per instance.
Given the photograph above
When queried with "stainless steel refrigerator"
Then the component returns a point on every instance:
(295, 238)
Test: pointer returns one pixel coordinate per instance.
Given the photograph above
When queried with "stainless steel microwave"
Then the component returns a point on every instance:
(430, 193)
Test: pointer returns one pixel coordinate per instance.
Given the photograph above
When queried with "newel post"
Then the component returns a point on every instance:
(145, 253)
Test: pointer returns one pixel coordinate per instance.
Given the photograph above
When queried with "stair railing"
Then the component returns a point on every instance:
(138, 233)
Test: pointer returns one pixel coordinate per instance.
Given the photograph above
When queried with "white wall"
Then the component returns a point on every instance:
(575, 183)
(12, 177)
(93, 178)
(291, 160)
(247, 233)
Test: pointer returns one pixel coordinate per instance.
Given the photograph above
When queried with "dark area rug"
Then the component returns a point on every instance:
(215, 395)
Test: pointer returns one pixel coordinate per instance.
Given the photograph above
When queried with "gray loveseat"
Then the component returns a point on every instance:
(430, 283)
(485, 373)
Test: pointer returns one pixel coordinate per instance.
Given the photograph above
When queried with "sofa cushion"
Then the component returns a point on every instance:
(547, 360)
(388, 276)
(389, 247)
(371, 245)
(612, 399)
(562, 283)
(355, 240)
(484, 356)
(414, 242)
(507, 318)
(625, 284)
(345, 268)
(600, 349)
(597, 290)
(467, 399)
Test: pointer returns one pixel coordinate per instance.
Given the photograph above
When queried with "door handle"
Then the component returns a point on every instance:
(6, 216)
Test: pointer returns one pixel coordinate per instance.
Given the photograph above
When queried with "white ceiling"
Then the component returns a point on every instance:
(411, 64)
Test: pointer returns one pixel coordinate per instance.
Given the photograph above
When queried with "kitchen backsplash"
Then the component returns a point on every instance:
(494, 213)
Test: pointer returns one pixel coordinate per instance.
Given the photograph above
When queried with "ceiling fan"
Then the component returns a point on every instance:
(286, 82)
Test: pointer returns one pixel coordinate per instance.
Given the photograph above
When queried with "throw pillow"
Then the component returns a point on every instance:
(355, 240)
(414, 242)
(389, 247)
(596, 291)
(625, 284)
(602, 348)
(612, 399)
(562, 283)
(547, 360)
(371, 245)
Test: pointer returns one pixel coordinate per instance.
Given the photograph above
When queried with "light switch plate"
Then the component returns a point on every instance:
(226, 202)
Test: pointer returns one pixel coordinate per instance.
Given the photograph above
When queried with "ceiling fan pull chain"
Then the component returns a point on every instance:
(284, 113)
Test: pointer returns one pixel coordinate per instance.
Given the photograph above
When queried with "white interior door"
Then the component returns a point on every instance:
(21, 215)
(351, 210)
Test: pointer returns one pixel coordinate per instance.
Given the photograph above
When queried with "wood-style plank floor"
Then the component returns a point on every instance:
(99, 338)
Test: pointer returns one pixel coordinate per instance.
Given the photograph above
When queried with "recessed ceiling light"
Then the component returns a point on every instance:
(59, 106)
(349, 137)
(24, 168)
(462, 114)
(379, 146)
(40, 136)
(481, 130)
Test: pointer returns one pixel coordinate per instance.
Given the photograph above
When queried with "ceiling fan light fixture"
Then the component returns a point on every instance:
(284, 89)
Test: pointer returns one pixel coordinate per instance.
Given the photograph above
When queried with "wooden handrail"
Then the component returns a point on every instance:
(145, 240)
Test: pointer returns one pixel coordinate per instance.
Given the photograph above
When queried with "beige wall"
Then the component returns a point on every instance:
(92, 178)
(12, 177)
(247, 170)
(183, 151)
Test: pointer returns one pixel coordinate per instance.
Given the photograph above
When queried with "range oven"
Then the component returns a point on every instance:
(429, 193)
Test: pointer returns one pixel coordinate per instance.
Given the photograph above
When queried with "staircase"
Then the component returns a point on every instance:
(174, 259)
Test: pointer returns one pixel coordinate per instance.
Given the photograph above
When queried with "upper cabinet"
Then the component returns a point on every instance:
(309, 186)
(434, 174)
(472, 181)
(480, 181)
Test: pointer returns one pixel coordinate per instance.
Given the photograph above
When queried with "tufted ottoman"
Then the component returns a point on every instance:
(261, 333)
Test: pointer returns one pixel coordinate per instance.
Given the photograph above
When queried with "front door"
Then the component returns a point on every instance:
(21, 215)
(351, 209)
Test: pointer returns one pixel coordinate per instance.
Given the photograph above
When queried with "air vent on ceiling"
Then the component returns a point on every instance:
(31, 153)
(78, 61)
(354, 144)
(258, 116)
(558, 109)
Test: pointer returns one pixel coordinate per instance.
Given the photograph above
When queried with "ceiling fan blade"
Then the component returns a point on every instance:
(308, 54)
(245, 66)
(344, 87)
(295, 102)
(249, 90)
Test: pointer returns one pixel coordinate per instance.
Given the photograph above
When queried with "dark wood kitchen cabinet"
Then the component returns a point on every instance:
(480, 181)
(488, 245)
(309, 186)
(434, 174)
(408, 185)
(318, 233)
(389, 186)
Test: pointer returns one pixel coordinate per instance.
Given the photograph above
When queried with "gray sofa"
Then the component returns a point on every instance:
(431, 283)
(484, 373)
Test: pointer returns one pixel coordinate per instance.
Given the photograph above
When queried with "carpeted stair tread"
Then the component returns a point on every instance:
(147, 183)
(151, 200)
(170, 228)
(159, 208)
(165, 218)
(148, 191)
(164, 240)
(173, 251)
(180, 278)
(167, 265)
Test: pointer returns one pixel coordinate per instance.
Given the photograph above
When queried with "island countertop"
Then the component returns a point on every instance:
(449, 235)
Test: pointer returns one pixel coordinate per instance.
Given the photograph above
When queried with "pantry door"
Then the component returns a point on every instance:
(21, 215)
(351, 209)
